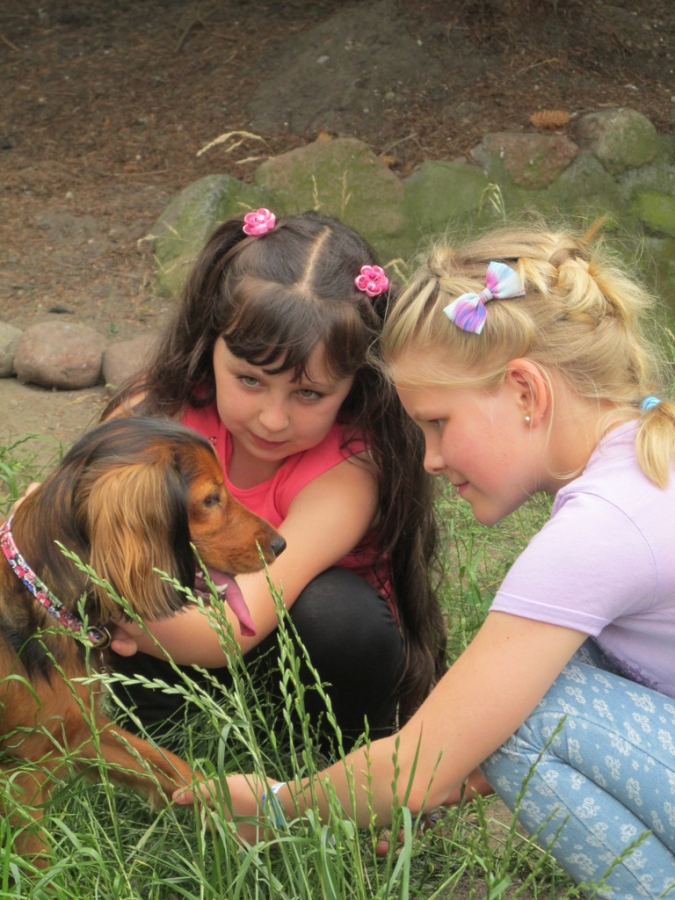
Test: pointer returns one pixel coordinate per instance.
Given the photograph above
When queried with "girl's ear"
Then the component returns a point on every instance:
(531, 389)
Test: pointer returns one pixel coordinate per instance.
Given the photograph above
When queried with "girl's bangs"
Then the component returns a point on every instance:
(278, 328)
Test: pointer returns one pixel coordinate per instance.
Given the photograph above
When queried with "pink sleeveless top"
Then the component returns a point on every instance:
(272, 498)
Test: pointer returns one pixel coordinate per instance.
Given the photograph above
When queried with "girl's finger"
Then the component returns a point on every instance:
(186, 796)
(122, 643)
(29, 490)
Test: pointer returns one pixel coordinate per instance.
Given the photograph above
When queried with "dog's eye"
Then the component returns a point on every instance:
(212, 499)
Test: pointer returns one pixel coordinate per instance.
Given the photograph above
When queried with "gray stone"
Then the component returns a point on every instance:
(181, 231)
(341, 178)
(60, 355)
(584, 189)
(123, 360)
(620, 138)
(9, 338)
(531, 160)
(657, 176)
(440, 194)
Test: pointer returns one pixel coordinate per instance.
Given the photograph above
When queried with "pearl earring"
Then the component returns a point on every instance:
(527, 420)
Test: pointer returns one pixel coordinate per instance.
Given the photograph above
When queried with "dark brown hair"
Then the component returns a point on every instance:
(274, 299)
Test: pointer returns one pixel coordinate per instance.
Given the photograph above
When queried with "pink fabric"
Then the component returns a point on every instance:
(272, 498)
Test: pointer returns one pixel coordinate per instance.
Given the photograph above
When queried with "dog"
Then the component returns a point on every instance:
(130, 497)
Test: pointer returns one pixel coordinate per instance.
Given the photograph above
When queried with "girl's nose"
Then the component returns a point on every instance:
(273, 417)
(433, 461)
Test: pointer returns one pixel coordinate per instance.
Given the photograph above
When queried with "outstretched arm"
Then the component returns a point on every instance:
(485, 696)
(325, 522)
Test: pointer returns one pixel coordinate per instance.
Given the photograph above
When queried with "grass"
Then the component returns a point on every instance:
(107, 843)
(19, 465)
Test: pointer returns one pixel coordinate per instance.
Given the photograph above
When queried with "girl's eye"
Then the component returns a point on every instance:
(438, 424)
(308, 394)
(248, 380)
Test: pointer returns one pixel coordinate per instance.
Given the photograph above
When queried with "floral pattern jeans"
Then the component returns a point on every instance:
(600, 782)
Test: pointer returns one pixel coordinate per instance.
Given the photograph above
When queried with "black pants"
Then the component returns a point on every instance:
(351, 638)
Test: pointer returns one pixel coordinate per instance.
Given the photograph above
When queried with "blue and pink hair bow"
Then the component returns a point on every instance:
(468, 310)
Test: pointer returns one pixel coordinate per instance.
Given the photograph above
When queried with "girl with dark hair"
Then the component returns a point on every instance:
(273, 356)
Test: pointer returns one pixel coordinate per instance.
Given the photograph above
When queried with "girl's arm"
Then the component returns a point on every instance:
(325, 521)
(485, 696)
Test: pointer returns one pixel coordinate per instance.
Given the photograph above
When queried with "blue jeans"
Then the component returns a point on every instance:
(604, 779)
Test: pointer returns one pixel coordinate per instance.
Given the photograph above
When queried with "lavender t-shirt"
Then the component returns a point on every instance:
(604, 564)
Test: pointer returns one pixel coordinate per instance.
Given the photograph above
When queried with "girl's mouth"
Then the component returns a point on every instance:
(267, 445)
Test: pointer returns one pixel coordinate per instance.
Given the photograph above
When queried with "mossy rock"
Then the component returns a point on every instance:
(584, 190)
(439, 195)
(656, 211)
(621, 138)
(341, 178)
(658, 176)
(185, 225)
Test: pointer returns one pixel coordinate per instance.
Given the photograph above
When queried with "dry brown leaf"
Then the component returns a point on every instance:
(324, 136)
(389, 161)
(550, 118)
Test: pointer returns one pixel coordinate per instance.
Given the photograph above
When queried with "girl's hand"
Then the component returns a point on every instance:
(125, 636)
(29, 490)
(245, 801)
(476, 785)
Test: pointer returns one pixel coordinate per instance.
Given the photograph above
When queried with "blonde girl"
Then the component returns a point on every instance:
(520, 356)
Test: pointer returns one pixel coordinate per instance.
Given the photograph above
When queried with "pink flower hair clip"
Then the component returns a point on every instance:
(372, 280)
(259, 222)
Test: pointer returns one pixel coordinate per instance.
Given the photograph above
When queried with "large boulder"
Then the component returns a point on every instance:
(341, 178)
(620, 138)
(59, 355)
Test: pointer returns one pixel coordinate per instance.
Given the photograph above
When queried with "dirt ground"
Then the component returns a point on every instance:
(105, 104)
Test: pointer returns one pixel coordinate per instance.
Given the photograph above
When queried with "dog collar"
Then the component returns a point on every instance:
(97, 637)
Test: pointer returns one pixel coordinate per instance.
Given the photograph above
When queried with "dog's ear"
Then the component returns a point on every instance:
(137, 522)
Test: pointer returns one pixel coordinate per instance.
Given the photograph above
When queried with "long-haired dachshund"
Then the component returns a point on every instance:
(130, 497)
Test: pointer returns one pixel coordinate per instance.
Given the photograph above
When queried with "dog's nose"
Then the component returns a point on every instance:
(278, 545)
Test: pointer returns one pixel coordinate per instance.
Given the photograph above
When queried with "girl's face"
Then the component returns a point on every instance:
(478, 440)
(272, 416)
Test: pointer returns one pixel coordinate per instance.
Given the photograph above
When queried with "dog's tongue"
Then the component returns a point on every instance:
(228, 588)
